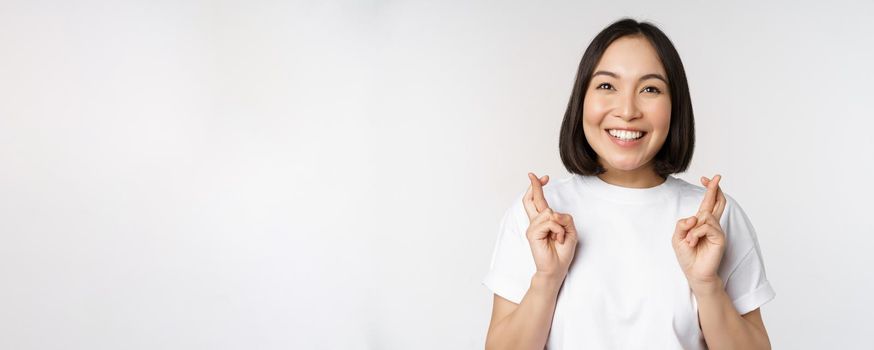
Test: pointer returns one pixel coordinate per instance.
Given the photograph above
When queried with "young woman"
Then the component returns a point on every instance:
(622, 255)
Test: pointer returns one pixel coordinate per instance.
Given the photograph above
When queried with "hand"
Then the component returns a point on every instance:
(699, 241)
(551, 235)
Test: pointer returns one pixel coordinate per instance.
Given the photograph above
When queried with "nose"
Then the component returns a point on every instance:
(627, 108)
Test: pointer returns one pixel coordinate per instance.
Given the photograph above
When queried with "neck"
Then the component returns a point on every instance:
(642, 177)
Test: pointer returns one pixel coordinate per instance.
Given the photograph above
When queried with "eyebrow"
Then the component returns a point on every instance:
(645, 77)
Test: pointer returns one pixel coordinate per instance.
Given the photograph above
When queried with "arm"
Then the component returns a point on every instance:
(700, 243)
(525, 325)
(552, 238)
(723, 326)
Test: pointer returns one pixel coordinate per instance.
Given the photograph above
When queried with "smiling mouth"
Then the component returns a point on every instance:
(626, 135)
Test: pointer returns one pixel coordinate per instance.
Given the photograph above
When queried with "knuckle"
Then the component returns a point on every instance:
(708, 218)
(557, 218)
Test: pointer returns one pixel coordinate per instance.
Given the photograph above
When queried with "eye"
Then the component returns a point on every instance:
(610, 87)
(654, 89)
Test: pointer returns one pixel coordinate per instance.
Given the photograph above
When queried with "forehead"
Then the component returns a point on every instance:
(630, 57)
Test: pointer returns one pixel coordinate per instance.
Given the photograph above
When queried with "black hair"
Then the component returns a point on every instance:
(675, 155)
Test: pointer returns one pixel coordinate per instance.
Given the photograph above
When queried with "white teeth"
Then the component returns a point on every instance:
(625, 135)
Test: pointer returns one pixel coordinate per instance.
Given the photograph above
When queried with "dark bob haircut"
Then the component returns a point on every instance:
(675, 155)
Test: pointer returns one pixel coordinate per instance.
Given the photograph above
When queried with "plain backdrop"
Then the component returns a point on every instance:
(330, 175)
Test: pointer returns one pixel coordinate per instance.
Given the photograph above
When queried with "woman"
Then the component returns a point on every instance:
(610, 258)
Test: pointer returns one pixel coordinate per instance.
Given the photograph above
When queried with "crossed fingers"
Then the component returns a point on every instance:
(534, 201)
(714, 199)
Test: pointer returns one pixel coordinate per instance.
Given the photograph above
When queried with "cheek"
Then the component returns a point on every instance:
(594, 111)
(595, 103)
(661, 123)
(660, 115)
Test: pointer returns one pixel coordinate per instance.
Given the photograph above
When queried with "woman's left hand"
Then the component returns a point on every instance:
(699, 241)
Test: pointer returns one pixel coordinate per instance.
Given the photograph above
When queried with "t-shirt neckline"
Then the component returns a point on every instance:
(618, 193)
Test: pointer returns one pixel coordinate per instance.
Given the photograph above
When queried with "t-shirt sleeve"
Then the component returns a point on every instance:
(512, 264)
(743, 268)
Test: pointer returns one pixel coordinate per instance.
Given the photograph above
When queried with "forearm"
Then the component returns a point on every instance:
(528, 326)
(722, 325)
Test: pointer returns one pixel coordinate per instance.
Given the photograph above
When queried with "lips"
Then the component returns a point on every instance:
(625, 143)
(626, 131)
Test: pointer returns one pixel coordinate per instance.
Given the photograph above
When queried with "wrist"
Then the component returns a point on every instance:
(547, 281)
(707, 288)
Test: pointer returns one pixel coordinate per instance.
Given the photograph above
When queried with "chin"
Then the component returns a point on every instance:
(625, 166)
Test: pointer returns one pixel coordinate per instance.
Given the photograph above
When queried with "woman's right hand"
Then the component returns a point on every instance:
(551, 235)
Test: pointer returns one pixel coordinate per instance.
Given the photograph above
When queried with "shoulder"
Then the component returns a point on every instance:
(737, 226)
(688, 191)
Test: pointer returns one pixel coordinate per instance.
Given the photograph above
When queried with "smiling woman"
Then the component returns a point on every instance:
(621, 92)
(629, 71)
(610, 258)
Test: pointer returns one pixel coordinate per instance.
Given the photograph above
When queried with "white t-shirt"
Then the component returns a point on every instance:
(625, 288)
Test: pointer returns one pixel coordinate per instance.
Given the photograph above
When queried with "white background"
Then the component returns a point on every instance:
(326, 175)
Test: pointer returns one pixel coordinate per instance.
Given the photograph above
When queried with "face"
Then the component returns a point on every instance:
(628, 91)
